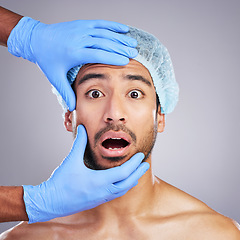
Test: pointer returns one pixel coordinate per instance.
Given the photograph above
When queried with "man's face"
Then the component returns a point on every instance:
(117, 106)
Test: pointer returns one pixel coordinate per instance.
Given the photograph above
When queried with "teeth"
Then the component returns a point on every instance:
(115, 138)
(114, 148)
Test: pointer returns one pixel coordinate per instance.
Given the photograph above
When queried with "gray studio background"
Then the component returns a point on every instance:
(199, 150)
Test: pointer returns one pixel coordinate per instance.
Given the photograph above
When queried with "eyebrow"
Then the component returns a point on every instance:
(103, 76)
(91, 76)
(139, 78)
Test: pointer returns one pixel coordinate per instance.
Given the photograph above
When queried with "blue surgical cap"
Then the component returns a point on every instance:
(155, 57)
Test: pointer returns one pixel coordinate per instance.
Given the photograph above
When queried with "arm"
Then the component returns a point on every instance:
(8, 20)
(12, 207)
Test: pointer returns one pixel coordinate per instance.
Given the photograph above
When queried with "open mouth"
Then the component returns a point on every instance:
(115, 143)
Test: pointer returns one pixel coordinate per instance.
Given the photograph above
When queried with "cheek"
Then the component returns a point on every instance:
(89, 118)
(142, 120)
(86, 114)
(143, 113)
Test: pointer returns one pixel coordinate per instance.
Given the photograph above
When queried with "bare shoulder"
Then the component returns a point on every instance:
(195, 219)
(212, 225)
(26, 231)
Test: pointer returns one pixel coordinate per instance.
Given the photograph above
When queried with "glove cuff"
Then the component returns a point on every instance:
(19, 40)
(36, 203)
(31, 208)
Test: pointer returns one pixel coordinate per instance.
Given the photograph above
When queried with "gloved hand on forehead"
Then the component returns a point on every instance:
(56, 48)
(74, 188)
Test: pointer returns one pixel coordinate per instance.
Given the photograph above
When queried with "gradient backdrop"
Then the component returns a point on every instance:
(199, 150)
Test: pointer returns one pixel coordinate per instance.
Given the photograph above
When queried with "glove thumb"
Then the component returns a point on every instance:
(79, 145)
(65, 90)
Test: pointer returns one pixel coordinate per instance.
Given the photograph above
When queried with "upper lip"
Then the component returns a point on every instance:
(116, 135)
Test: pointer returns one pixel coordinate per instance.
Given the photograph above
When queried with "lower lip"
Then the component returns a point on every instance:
(113, 152)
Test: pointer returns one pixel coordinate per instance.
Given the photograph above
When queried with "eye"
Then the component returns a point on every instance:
(135, 94)
(94, 94)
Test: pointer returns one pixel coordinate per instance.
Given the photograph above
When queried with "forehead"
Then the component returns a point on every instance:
(133, 68)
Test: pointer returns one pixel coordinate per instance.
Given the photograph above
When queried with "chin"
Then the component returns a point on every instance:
(110, 162)
(101, 163)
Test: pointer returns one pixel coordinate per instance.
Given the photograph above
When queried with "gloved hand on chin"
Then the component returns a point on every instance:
(74, 188)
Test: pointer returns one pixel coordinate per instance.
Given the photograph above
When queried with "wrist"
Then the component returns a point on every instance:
(8, 20)
(30, 194)
(38, 201)
(19, 41)
(11, 204)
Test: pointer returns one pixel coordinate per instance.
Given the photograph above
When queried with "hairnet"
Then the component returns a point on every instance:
(155, 57)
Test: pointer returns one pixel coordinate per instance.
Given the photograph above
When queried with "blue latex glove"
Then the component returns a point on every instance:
(73, 187)
(56, 48)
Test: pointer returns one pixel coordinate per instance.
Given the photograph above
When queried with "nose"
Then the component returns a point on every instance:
(115, 111)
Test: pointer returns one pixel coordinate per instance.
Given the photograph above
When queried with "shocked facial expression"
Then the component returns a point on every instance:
(117, 106)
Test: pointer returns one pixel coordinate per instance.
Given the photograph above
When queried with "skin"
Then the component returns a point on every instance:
(8, 20)
(12, 207)
(151, 210)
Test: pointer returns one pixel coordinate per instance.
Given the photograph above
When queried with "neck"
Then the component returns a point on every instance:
(136, 202)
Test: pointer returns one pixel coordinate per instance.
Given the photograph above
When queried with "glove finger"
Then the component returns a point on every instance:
(117, 195)
(114, 26)
(131, 181)
(121, 193)
(109, 46)
(69, 97)
(122, 172)
(98, 56)
(79, 145)
(106, 34)
(65, 90)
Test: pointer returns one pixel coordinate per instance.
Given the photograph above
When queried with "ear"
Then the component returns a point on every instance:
(68, 121)
(160, 120)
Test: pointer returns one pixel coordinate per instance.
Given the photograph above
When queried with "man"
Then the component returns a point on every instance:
(122, 108)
